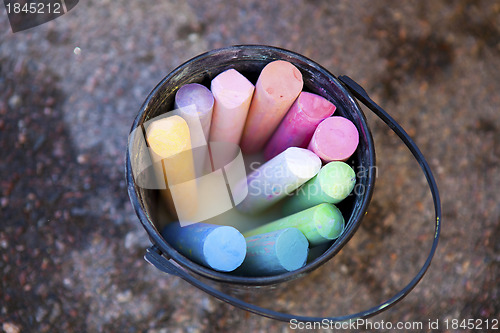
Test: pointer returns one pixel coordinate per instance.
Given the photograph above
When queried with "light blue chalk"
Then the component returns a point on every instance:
(221, 248)
(274, 253)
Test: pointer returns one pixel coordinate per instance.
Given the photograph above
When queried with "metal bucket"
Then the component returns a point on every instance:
(249, 60)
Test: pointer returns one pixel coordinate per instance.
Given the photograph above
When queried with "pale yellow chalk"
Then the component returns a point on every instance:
(170, 149)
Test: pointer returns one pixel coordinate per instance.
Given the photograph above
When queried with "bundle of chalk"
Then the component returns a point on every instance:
(223, 248)
(305, 146)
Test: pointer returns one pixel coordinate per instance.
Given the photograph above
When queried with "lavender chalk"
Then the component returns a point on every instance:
(195, 103)
(274, 253)
(221, 248)
(195, 100)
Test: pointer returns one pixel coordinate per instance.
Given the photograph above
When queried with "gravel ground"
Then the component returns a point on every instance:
(71, 246)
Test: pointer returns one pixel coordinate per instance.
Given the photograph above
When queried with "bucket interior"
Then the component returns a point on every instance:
(249, 61)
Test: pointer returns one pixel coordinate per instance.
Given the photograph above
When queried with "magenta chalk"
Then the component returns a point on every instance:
(297, 128)
(335, 139)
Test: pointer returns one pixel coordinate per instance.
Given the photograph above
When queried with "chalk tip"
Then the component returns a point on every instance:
(224, 249)
(168, 136)
(231, 88)
(328, 220)
(302, 162)
(335, 139)
(194, 94)
(337, 180)
(291, 249)
(315, 106)
(281, 80)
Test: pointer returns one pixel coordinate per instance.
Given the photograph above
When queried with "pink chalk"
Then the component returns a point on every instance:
(335, 139)
(277, 87)
(233, 94)
(297, 128)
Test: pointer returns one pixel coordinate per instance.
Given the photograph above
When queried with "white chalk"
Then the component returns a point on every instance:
(278, 177)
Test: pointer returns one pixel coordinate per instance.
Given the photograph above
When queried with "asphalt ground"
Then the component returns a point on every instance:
(71, 246)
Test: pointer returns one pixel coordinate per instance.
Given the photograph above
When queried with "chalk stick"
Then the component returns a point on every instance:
(319, 224)
(233, 94)
(277, 178)
(221, 248)
(277, 87)
(170, 149)
(194, 103)
(274, 253)
(244, 222)
(195, 100)
(297, 128)
(335, 139)
(333, 183)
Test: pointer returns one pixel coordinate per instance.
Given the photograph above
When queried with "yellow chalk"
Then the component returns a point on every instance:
(170, 149)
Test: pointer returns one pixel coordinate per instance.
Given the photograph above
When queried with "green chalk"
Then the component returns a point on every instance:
(334, 182)
(319, 224)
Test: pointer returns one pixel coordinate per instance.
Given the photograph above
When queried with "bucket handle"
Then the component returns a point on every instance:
(154, 256)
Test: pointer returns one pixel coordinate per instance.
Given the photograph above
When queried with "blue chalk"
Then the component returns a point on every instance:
(275, 253)
(221, 248)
